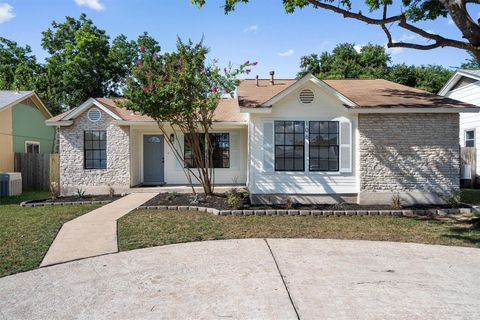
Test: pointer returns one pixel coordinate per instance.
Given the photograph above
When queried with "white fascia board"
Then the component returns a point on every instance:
(256, 110)
(301, 82)
(153, 123)
(61, 123)
(87, 104)
(416, 110)
(454, 79)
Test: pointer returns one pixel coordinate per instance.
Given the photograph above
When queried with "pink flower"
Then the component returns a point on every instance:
(140, 63)
(152, 86)
(141, 49)
(248, 71)
(214, 89)
(144, 88)
(155, 55)
(247, 62)
(255, 63)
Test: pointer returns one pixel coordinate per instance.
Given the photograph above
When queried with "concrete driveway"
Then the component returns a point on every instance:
(255, 279)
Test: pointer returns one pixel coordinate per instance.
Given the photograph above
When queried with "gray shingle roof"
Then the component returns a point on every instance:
(473, 72)
(7, 97)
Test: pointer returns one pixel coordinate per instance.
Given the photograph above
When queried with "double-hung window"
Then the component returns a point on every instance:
(220, 143)
(323, 145)
(469, 138)
(95, 149)
(289, 145)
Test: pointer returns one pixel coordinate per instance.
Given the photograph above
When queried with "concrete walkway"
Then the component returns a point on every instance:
(255, 279)
(94, 233)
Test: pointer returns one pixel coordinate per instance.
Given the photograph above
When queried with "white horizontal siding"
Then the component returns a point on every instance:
(174, 173)
(324, 107)
(469, 121)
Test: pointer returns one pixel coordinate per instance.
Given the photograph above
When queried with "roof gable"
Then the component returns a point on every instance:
(9, 98)
(457, 77)
(309, 78)
(87, 105)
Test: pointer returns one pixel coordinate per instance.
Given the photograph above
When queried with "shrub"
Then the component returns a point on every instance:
(54, 190)
(233, 198)
(396, 201)
(288, 203)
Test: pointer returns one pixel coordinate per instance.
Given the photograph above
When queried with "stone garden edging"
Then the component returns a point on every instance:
(324, 213)
(28, 204)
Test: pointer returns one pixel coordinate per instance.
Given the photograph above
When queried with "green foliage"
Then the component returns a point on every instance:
(181, 90)
(19, 69)
(471, 63)
(82, 63)
(372, 62)
(80, 193)
(414, 10)
(233, 199)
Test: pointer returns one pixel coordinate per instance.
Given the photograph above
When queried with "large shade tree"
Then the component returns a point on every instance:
(180, 90)
(402, 14)
(371, 61)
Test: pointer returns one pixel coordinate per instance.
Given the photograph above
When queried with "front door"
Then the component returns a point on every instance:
(153, 161)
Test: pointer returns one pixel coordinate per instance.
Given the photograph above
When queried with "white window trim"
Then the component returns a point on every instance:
(465, 137)
(32, 143)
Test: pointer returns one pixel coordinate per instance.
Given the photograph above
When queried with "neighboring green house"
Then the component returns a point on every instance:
(22, 126)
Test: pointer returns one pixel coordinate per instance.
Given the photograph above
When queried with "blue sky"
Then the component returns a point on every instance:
(260, 31)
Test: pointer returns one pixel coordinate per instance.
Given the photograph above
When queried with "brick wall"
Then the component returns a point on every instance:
(409, 152)
(94, 181)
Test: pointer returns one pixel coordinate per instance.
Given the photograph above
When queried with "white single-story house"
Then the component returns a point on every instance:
(315, 140)
(464, 86)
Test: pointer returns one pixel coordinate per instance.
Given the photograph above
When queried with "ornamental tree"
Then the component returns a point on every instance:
(402, 14)
(180, 90)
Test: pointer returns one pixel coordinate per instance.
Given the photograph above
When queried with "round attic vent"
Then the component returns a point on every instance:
(94, 115)
(306, 96)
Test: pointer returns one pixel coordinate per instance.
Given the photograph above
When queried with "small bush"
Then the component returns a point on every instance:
(233, 199)
(54, 190)
(171, 196)
(111, 191)
(455, 200)
(80, 193)
(396, 201)
(196, 199)
(288, 203)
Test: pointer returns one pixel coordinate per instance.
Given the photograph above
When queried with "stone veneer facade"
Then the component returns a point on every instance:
(94, 181)
(414, 155)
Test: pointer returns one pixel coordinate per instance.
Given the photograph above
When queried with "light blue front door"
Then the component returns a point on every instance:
(153, 159)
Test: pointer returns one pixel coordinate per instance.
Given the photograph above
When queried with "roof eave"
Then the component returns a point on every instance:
(454, 79)
(415, 110)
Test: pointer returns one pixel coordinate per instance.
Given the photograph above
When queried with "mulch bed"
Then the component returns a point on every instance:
(218, 201)
(87, 198)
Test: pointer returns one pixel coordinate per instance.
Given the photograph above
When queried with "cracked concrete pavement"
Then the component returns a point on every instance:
(255, 279)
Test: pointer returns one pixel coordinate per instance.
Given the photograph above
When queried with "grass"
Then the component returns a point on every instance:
(471, 196)
(146, 228)
(26, 233)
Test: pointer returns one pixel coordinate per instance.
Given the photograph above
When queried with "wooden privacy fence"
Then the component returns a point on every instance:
(38, 170)
(468, 155)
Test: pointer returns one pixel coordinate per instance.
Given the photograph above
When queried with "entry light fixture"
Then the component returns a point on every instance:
(172, 138)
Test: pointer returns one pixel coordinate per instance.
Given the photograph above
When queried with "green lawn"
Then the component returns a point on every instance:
(26, 233)
(146, 228)
(471, 196)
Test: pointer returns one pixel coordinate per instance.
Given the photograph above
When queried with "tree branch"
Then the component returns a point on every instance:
(401, 21)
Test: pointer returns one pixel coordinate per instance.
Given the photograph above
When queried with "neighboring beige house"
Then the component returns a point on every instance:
(22, 126)
(311, 139)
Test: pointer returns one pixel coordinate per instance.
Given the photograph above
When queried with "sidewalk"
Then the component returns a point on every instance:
(94, 233)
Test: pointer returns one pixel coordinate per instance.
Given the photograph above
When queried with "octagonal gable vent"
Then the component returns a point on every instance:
(94, 114)
(306, 96)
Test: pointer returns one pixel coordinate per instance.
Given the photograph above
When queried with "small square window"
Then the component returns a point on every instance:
(470, 138)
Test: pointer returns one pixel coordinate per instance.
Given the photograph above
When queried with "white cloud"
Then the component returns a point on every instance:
(287, 53)
(394, 50)
(92, 4)
(253, 28)
(358, 47)
(406, 38)
(6, 12)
